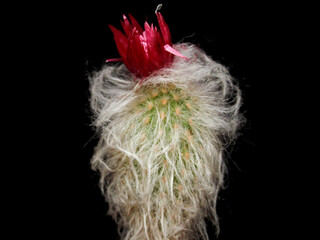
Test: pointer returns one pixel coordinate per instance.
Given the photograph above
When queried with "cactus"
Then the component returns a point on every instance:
(164, 118)
(161, 145)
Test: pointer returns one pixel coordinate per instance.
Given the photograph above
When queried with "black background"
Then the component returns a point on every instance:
(65, 43)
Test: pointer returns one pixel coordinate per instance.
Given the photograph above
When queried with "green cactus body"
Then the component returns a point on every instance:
(164, 175)
(163, 119)
(160, 153)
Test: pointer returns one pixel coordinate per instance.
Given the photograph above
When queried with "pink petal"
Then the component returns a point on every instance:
(135, 24)
(135, 56)
(114, 60)
(164, 29)
(126, 25)
(121, 42)
(173, 51)
(165, 56)
(154, 52)
(146, 26)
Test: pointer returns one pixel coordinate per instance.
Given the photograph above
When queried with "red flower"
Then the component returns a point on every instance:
(144, 51)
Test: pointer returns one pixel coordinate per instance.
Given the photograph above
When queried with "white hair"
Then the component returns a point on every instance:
(160, 153)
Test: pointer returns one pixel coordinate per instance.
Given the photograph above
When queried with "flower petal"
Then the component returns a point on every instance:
(164, 29)
(121, 42)
(135, 24)
(135, 56)
(173, 51)
(114, 60)
(153, 38)
(126, 25)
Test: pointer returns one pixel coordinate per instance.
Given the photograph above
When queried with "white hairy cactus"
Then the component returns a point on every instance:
(160, 153)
